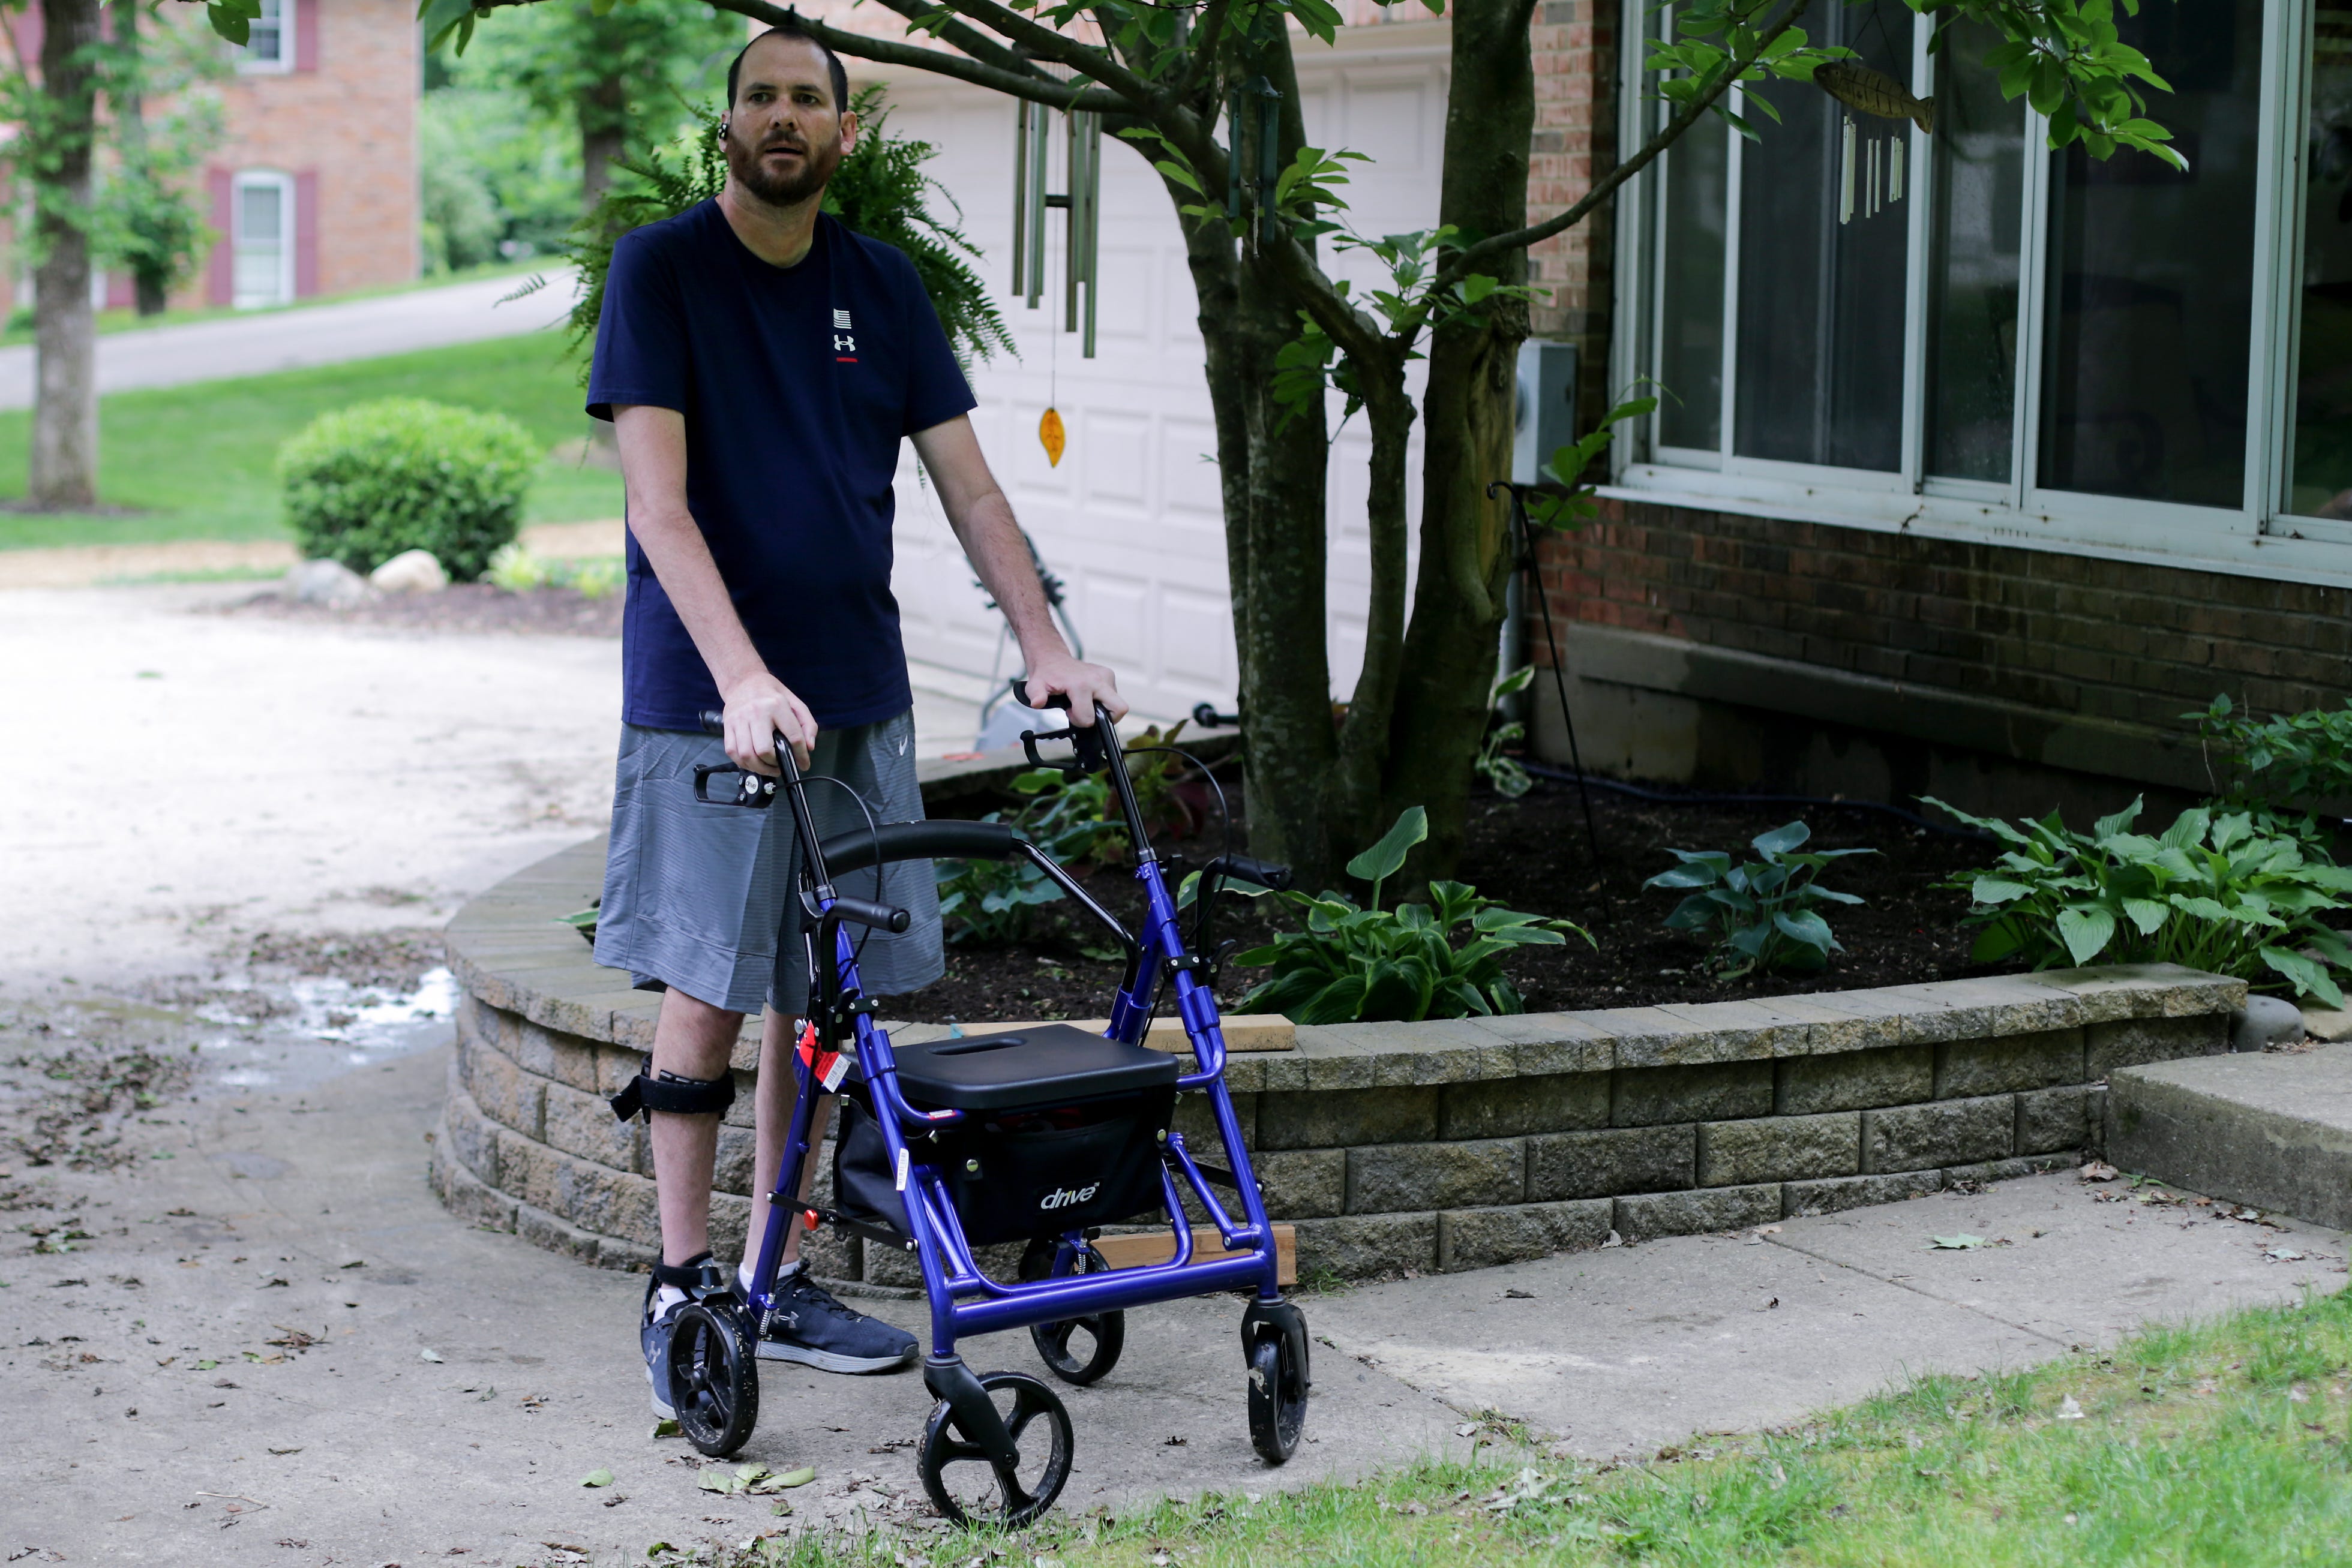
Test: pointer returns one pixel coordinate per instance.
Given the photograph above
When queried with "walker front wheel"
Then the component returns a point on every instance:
(714, 1376)
(968, 1487)
(1278, 1400)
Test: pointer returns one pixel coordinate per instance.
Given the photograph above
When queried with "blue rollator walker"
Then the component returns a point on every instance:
(1041, 1135)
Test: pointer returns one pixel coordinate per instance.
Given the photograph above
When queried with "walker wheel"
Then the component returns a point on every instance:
(1101, 1335)
(968, 1487)
(714, 1376)
(1278, 1401)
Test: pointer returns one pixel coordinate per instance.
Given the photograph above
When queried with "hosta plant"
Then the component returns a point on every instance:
(2217, 891)
(1351, 962)
(1762, 915)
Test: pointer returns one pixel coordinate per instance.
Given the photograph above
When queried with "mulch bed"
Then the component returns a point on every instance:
(460, 607)
(1532, 854)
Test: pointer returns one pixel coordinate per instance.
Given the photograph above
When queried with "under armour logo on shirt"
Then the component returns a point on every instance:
(844, 345)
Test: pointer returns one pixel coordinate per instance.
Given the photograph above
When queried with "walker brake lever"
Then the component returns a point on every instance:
(1086, 742)
(755, 790)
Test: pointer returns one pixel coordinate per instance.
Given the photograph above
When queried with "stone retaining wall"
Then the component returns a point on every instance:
(1392, 1147)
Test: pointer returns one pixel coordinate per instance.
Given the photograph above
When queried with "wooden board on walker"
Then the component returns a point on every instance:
(1137, 1249)
(1243, 1032)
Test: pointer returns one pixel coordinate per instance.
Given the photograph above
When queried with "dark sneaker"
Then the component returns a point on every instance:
(698, 1277)
(653, 1336)
(811, 1328)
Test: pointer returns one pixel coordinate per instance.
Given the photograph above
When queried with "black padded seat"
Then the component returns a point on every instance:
(1050, 1064)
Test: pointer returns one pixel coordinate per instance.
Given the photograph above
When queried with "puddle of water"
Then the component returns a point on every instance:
(312, 1029)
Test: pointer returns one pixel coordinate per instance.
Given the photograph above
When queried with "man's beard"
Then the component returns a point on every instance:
(817, 164)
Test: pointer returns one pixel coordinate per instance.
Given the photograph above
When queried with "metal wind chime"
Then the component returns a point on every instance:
(1082, 232)
(1877, 160)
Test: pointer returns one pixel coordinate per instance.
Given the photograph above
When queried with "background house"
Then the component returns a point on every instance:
(314, 189)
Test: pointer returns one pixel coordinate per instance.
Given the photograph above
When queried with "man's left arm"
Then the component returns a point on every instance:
(982, 521)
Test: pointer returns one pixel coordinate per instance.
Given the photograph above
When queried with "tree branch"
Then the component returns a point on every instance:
(1467, 259)
(1047, 44)
(970, 39)
(1204, 57)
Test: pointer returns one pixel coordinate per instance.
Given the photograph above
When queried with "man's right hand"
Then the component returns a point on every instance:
(758, 708)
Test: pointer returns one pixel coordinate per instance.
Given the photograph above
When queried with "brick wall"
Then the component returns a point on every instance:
(1575, 139)
(2068, 634)
(345, 124)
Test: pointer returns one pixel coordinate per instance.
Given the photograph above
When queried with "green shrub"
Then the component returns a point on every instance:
(365, 482)
(1763, 914)
(1354, 962)
(2218, 892)
(2272, 764)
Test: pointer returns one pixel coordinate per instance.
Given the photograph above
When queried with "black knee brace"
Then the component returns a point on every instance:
(650, 1092)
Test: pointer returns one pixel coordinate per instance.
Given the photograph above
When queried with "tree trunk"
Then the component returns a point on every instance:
(1465, 545)
(64, 466)
(604, 132)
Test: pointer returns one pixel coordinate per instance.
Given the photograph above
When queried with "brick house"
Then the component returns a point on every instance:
(1975, 486)
(313, 187)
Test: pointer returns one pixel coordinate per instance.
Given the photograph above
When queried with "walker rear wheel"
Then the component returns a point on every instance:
(968, 1488)
(714, 1376)
(1078, 1350)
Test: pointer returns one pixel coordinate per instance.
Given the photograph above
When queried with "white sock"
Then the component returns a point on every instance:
(666, 1297)
(785, 1271)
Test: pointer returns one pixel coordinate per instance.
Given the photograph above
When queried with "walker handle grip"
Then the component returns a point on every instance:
(881, 916)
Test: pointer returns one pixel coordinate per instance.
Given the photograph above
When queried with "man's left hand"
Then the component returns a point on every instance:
(1085, 684)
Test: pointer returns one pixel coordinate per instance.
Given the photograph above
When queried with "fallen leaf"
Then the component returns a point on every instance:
(799, 1478)
(428, 1355)
(1963, 1242)
(1614, 1240)
(1467, 1429)
(665, 1427)
(597, 1478)
(2069, 1410)
(2283, 1255)
(2099, 1170)
(1515, 1294)
(281, 1452)
(205, 1365)
(714, 1481)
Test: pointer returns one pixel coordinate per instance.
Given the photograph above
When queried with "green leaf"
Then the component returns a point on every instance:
(2147, 913)
(1382, 861)
(1963, 1242)
(2086, 931)
(1781, 840)
(2308, 978)
(598, 1478)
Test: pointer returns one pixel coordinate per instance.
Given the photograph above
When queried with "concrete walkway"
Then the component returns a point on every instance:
(306, 335)
(461, 1382)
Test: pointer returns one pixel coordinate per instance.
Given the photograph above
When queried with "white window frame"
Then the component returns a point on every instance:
(283, 183)
(2256, 538)
(250, 64)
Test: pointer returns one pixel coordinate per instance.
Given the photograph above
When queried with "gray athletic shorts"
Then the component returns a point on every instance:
(703, 896)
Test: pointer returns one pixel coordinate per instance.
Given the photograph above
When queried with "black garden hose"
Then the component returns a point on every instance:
(1667, 798)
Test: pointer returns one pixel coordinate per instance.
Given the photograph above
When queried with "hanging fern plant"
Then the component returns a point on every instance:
(880, 190)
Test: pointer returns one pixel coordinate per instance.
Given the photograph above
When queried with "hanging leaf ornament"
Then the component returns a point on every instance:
(1051, 436)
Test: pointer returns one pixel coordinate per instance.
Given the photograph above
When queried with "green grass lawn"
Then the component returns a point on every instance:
(2222, 1443)
(200, 461)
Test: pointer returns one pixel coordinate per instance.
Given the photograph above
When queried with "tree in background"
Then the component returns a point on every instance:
(1260, 207)
(615, 70)
(55, 106)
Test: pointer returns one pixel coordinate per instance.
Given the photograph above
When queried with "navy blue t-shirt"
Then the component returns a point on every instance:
(797, 384)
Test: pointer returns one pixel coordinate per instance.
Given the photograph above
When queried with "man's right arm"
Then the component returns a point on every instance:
(757, 705)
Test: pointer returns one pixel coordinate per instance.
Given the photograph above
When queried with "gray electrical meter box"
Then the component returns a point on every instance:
(1546, 416)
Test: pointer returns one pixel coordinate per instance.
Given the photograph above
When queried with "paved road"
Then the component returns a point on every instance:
(305, 335)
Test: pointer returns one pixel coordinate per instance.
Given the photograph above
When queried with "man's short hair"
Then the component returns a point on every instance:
(793, 29)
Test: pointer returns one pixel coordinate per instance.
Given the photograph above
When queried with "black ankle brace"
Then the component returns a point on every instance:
(698, 1276)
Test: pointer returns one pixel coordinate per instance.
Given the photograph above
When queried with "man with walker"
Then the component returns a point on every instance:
(761, 364)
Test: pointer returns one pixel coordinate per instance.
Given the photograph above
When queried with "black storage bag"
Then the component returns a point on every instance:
(1015, 1175)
